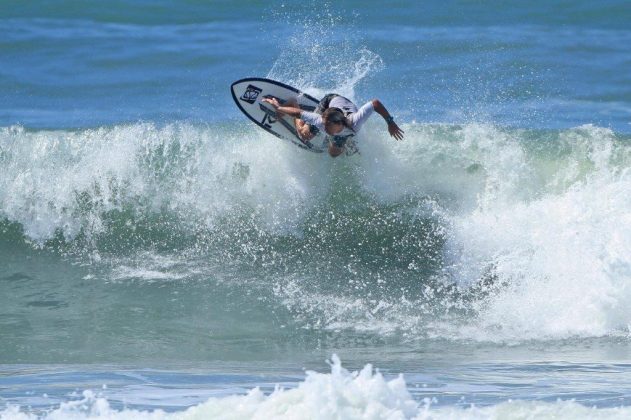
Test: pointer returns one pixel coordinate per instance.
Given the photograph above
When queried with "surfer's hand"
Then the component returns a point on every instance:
(395, 131)
(274, 103)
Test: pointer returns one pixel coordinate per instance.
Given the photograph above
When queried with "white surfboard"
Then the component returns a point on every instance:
(248, 94)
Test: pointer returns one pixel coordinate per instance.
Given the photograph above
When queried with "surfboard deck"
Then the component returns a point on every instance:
(248, 94)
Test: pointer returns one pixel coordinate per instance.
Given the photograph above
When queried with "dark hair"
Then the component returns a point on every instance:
(336, 116)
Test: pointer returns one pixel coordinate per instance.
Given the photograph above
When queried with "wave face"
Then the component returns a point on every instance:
(460, 232)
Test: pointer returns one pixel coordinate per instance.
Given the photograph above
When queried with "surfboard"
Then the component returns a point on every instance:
(248, 94)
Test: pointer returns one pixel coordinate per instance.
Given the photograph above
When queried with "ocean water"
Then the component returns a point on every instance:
(162, 257)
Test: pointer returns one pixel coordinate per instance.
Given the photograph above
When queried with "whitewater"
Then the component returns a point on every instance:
(482, 238)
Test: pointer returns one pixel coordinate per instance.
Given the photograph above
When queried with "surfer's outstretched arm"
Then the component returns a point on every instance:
(393, 128)
(286, 110)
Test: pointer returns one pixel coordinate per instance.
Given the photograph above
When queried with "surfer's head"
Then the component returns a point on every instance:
(334, 121)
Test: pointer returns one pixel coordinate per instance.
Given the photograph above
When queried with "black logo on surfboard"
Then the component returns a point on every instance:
(250, 94)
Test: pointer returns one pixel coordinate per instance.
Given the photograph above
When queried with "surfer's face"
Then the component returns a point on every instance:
(333, 128)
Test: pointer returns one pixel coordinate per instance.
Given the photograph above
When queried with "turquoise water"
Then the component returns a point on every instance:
(160, 256)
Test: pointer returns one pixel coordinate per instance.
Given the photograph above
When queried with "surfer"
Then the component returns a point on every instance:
(338, 117)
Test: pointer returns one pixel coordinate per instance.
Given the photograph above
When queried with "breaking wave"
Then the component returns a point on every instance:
(459, 232)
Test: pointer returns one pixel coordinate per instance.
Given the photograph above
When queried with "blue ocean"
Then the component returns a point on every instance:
(161, 256)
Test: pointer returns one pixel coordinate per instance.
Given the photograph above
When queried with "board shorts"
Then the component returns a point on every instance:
(324, 102)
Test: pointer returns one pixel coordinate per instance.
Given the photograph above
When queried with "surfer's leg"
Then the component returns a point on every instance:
(304, 130)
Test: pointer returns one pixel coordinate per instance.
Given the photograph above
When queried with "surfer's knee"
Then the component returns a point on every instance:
(304, 130)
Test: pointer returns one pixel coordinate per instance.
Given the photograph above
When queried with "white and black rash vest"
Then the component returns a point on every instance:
(357, 117)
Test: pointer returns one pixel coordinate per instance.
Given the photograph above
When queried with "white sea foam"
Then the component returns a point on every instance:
(562, 256)
(546, 219)
(341, 394)
(552, 228)
(67, 181)
(545, 216)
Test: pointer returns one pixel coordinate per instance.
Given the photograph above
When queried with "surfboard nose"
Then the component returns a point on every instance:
(248, 94)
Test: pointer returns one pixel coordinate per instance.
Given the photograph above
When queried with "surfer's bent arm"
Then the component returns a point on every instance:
(393, 128)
